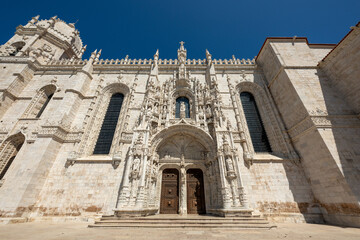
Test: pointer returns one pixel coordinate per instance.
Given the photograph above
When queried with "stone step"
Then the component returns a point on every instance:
(186, 217)
(184, 220)
(189, 221)
(178, 222)
(237, 226)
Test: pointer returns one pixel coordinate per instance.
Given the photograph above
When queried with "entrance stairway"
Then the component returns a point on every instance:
(189, 221)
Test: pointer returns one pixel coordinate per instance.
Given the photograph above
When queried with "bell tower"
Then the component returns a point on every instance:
(45, 40)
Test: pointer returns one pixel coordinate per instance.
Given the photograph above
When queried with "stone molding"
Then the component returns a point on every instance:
(325, 121)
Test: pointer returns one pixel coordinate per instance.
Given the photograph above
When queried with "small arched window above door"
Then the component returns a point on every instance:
(256, 128)
(108, 127)
(182, 102)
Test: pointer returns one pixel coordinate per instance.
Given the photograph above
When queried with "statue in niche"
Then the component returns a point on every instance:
(201, 113)
(207, 93)
(135, 169)
(229, 164)
(208, 112)
(182, 110)
(154, 172)
(213, 83)
(136, 164)
(164, 112)
(156, 110)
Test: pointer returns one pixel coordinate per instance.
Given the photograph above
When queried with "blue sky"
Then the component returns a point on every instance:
(226, 28)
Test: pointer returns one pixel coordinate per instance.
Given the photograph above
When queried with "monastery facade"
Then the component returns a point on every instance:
(277, 135)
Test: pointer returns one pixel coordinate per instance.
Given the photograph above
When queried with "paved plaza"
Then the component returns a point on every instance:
(79, 231)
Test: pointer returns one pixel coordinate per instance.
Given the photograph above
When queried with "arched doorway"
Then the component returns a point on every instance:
(170, 192)
(191, 151)
(195, 191)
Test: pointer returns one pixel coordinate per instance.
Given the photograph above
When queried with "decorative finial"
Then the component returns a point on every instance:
(98, 56)
(182, 53)
(208, 57)
(34, 19)
(182, 46)
(83, 49)
(156, 56)
(93, 55)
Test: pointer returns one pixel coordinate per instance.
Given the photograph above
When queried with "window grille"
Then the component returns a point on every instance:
(254, 122)
(108, 127)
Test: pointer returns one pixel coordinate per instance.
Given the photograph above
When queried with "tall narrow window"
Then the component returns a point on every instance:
(255, 125)
(108, 127)
(186, 104)
(48, 98)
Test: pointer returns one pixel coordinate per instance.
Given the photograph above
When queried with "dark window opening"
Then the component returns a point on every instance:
(184, 100)
(44, 105)
(18, 46)
(6, 168)
(254, 122)
(108, 127)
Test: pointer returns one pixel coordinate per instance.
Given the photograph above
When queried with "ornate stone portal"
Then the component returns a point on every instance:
(163, 142)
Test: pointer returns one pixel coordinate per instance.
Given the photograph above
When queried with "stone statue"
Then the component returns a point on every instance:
(136, 164)
(229, 164)
(208, 112)
(164, 112)
(182, 110)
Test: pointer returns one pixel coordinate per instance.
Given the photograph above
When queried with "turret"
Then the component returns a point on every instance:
(45, 40)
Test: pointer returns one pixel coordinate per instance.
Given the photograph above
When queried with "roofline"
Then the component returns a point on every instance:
(357, 25)
(293, 39)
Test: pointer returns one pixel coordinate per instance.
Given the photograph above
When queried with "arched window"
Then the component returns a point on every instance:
(8, 151)
(39, 102)
(17, 47)
(108, 127)
(186, 103)
(47, 100)
(254, 122)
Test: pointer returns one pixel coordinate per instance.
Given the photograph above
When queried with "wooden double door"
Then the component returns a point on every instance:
(170, 192)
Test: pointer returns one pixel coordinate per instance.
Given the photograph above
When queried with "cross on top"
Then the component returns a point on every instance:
(182, 43)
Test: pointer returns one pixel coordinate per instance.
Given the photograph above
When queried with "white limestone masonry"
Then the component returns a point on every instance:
(53, 104)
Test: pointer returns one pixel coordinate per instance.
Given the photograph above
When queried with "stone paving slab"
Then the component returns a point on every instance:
(80, 231)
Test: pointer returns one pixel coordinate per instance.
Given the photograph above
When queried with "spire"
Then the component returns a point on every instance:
(182, 53)
(83, 49)
(182, 46)
(52, 20)
(32, 21)
(208, 57)
(89, 65)
(156, 56)
(154, 67)
(98, 56)
(93, 55)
